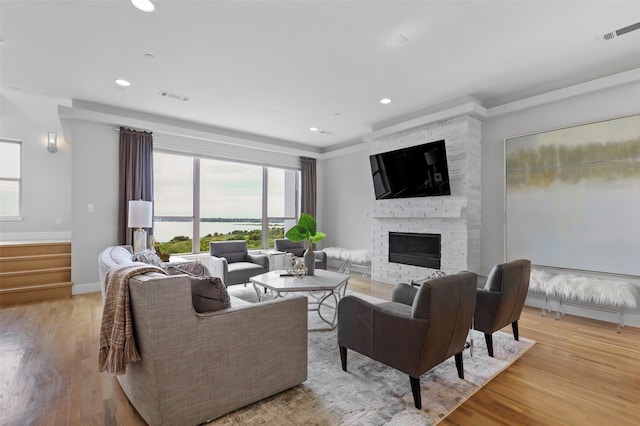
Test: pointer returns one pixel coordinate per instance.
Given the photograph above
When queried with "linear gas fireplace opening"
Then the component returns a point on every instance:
(415, 249)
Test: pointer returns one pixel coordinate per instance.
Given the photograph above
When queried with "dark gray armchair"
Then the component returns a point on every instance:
(418, 330)
(232, 263)
(297, 249)
(501, 300)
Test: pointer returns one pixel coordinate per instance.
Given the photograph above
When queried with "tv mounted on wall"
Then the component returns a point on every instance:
(417, 171)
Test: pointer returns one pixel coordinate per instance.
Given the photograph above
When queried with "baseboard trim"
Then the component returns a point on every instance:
(85, 288)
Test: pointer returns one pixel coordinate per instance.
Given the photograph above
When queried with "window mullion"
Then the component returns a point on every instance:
(195, 247)
(265, 219)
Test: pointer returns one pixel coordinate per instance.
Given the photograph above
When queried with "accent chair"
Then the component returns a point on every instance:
(297, 249)
(416, 331)
(501, 300)
(233, 264)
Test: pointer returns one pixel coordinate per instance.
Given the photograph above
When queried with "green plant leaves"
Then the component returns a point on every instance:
(318, 237)
(305, 230)
(296, 234)
(308, 222)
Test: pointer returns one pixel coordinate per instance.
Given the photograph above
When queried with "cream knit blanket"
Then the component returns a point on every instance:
(117, 345)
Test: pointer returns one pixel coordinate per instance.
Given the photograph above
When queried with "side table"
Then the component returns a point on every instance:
(276, 258)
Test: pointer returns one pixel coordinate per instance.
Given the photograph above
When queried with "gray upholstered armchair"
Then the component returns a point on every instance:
(415, 332)
(233, 264)
(297, 249)
(501, 300)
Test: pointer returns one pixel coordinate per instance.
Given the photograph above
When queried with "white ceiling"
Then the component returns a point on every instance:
(277, 68)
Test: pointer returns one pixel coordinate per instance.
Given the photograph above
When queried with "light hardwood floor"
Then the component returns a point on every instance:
(580, 372)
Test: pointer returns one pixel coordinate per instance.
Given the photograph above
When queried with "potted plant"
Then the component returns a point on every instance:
(306, 231)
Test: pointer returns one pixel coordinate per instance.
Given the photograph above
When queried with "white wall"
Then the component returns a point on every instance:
(345, 198)
(46, 177)
(85, 169)
(95, 181)
(61, 184)
(605, 104)
(95, 177)
(348, 189)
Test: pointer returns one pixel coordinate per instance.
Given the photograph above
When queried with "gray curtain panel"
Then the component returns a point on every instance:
(136, 176)
(309, 191)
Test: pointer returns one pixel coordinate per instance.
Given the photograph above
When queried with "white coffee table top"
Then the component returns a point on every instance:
(321, 280)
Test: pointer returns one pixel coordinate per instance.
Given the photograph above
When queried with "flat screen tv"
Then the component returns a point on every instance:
(417, 171)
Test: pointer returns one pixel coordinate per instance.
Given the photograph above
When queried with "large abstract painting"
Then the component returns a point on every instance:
(573, 197)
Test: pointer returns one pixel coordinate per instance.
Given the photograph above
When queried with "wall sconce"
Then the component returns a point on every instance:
(52, 142)
(140, 216)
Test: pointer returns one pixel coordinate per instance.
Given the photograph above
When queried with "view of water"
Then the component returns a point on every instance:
(165, 231)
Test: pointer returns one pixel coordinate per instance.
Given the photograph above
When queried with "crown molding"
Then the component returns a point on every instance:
(112, 116)
(470, 108)
(567, 92)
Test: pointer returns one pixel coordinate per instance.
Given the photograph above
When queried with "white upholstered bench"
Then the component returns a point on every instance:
(596, 293)
(346, 259)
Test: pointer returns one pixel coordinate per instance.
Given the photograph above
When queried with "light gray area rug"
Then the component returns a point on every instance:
(371, 393)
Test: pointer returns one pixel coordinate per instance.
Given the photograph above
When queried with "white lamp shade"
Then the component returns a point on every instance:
(140, 214)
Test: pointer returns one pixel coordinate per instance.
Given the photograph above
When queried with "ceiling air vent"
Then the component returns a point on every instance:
(617, 33)
(173, 96)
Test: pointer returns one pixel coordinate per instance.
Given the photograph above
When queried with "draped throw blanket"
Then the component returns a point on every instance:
(117, 345)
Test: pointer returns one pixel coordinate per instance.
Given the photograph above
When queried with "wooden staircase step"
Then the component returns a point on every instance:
(31, 262)
(35, 293)
(34, 271)
(20, 279)
(27, 249)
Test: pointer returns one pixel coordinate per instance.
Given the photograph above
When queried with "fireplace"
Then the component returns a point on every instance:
(415, 249)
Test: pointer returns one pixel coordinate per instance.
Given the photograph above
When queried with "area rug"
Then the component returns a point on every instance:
(371, 393)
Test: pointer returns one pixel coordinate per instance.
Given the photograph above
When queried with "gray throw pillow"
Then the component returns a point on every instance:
(209, 294)
(147, 256)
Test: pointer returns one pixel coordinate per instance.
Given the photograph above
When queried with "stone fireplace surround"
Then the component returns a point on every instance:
(455, 217)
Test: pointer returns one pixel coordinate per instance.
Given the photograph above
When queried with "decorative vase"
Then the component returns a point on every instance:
(289, 261)
(310, 261)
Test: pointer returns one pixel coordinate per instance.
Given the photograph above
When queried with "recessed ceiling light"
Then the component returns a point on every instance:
(385, 101)
(143, 5)
(313, 129)
(121, 82)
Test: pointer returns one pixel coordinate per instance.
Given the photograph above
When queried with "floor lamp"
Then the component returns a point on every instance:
(140, 216)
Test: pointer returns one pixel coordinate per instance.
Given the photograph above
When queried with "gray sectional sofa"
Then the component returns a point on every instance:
(196, 367)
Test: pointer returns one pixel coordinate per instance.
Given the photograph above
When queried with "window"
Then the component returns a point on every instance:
(199, 200)
(173, 201)
(10, 179)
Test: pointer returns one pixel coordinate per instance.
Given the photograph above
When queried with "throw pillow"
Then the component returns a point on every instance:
(147, 256)
(209, 294)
